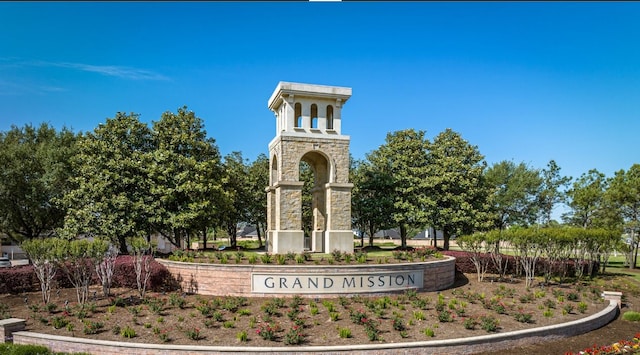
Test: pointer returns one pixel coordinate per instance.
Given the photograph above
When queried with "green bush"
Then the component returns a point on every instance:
(631, 316)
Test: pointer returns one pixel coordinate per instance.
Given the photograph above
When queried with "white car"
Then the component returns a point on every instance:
(5, 262)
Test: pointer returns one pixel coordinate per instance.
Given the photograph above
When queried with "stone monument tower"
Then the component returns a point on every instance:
(308, 122)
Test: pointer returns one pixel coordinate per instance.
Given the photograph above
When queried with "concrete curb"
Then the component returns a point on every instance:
(470, 345)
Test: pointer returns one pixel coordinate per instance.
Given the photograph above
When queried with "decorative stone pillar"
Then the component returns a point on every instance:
(326, 150)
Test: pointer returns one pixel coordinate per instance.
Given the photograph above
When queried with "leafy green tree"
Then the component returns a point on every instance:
(110, 193)
(457, 193)
(514, 190)
(78, 259)
(552, 192)
(624, 195)
(142, 252)
(586, 199)
(236, 187)
(371, 199)
(478, 247)
(44, 261)
(403, 160)
(185, 177)
(258, 180)
(35, 165)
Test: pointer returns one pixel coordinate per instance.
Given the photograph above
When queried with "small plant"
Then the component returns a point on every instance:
(398, 324)
(194, 334)
(631, 316)
(573, 296)
(242, 336)
(128, 332)
(334, 316)
(281, 259)
(51, 307)
(70, 327)
(59, 322)
(429, 333)
(418, 315)
(344, 333)
(582, 307)
(176, 300)
(549, 303)
(228, 324)
(266, 258)
(523, 317)
(266, 331)
(470, 323)
(567, 308)
(91, 327)
(548, 313)
(252, 259)
(489, 323)
(294, 336)
(444, 316)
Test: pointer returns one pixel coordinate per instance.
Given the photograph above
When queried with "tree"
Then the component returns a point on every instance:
(258, 180)
(624, 195)
(308, 178)
(371, 198)
(552, 191)
(45, 264)
(106, 267)
(78, 259)
(35, 168)
(403, 160)
(185, 176)
(236, 187)
(585, 199)
(478, 247)
(110, 193)
(142, 256)
(457, 193)
(514, 190)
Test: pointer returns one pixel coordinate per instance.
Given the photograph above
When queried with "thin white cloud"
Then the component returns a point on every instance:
(107, 70)
(112, 70)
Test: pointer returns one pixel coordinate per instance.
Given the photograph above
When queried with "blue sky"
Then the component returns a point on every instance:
(524, 81)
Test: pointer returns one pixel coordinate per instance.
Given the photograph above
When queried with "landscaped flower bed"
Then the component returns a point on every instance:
(471, 309)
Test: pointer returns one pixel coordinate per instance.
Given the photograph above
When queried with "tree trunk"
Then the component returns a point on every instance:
(403, 236)
(445, 238)
(259, 235)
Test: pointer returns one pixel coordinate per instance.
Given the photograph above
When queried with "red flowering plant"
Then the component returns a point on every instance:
(267, 331)
(621, 347)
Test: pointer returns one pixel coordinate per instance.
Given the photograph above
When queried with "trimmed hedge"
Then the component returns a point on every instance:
(465, 265)
(21, 279)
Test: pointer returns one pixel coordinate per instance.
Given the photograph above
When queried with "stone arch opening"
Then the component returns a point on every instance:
(314, 174)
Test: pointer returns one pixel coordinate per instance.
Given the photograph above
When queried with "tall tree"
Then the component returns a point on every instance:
(371, 199)
(458, 195)
(585, 199)
(624, 194)
(35, 170)
(110, 195)
(186, 176)
(403, 159)
(552, 192)
(236, 187)
(514, 190)
(258, 180)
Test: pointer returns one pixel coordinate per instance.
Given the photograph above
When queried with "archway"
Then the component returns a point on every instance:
(314, 174)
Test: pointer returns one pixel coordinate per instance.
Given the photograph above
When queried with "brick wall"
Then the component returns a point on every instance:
(235, 280)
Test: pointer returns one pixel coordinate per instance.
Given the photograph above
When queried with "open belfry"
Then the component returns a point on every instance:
(308, 128)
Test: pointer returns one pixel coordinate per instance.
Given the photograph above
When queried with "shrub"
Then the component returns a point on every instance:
(631, 316)
(429, 333)
(294, 336)
(242, 336)
(489, 323)
(344, 333)
(128, 332)
(470, 323)
(125, 276)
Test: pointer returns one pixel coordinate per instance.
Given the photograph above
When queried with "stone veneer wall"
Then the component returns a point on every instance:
(235, 280)
(483, 343)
